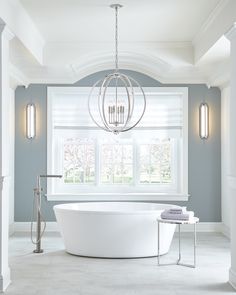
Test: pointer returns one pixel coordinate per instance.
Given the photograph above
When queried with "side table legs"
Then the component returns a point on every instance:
(179, 238)
(158, 242)
(178, 261)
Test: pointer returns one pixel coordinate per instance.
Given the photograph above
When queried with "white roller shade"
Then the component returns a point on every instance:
(163, 110)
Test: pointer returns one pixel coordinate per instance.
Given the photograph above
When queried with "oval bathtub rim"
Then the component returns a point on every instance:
(59, 207)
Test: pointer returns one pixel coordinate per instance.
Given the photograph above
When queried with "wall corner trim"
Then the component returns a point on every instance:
(232, 278)
(225, 230)
(5, 280)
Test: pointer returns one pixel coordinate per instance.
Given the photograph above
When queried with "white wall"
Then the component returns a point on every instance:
(11, 141)
(225, 154)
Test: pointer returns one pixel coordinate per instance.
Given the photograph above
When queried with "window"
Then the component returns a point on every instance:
(116, 163)
(79, 161)
(155, 163)
(144, 163)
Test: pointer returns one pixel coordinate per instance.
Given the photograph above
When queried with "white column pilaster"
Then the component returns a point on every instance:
(5, 37)
(231, 35)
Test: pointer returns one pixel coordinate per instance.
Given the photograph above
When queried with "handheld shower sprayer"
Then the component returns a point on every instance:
(37, 200)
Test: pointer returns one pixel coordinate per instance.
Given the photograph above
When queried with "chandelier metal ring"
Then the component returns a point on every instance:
(114, 112)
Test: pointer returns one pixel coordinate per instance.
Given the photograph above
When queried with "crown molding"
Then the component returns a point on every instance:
(219, 22)
(180, 76)
(13, 14)
(220, 75)
(225, 85)
(152, 66)
(231, 34)
(209, 21)
(17, 77)
(6, 32)
(154, 44)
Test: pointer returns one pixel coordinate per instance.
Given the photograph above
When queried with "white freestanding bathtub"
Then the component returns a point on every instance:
(113, 229)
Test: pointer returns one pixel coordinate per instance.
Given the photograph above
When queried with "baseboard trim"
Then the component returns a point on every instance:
(11, 229)
(232, 278)
(53, 227)
(215, 227)
(26, 226)
(5, 280)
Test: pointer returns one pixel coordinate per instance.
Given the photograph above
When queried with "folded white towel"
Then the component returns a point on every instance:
(173, 216)
(175, 210)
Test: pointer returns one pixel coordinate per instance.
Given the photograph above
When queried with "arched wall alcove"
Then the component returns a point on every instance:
(203, 187)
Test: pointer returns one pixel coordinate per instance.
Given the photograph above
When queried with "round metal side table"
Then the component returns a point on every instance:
(192, 221)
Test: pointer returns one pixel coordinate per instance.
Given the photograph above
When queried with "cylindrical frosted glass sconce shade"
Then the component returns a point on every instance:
(30, 121)
(204, 121)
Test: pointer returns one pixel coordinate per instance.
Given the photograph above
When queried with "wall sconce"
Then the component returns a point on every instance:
(204, 121)
(30, 121)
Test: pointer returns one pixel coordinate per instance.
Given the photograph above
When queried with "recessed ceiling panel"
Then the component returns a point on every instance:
(93, 20)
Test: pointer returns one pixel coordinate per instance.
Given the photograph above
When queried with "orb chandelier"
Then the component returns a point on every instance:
(117, 102)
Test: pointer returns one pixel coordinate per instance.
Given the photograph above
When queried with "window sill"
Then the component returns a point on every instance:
(118, 197)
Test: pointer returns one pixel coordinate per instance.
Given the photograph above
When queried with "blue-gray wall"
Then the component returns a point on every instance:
(204, 156)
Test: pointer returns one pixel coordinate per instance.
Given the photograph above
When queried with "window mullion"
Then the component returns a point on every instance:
(112, 165)
(149, 165)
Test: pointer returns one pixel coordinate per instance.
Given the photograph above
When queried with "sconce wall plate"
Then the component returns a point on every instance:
(204, 120)
(30, 121)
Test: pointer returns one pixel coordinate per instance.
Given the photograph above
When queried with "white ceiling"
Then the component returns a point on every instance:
(174, 41)
(93, 20)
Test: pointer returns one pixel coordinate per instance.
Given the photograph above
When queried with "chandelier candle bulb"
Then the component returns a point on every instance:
(117, 115)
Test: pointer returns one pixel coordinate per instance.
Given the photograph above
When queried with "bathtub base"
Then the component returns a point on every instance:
(113, 234)
(98, 257)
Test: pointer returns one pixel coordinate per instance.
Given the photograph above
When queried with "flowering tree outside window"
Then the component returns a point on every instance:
(79, 160)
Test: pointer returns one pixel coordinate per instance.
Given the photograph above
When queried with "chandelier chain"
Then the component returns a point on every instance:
(116, 39)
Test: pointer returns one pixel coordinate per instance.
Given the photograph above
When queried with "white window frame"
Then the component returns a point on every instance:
(52, 92)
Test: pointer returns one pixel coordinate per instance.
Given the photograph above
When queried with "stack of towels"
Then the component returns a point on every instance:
(177, 214)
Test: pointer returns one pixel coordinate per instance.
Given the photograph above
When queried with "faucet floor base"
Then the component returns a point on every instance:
(38, 251)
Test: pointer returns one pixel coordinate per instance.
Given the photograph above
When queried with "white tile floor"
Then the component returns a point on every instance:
(56, 272)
